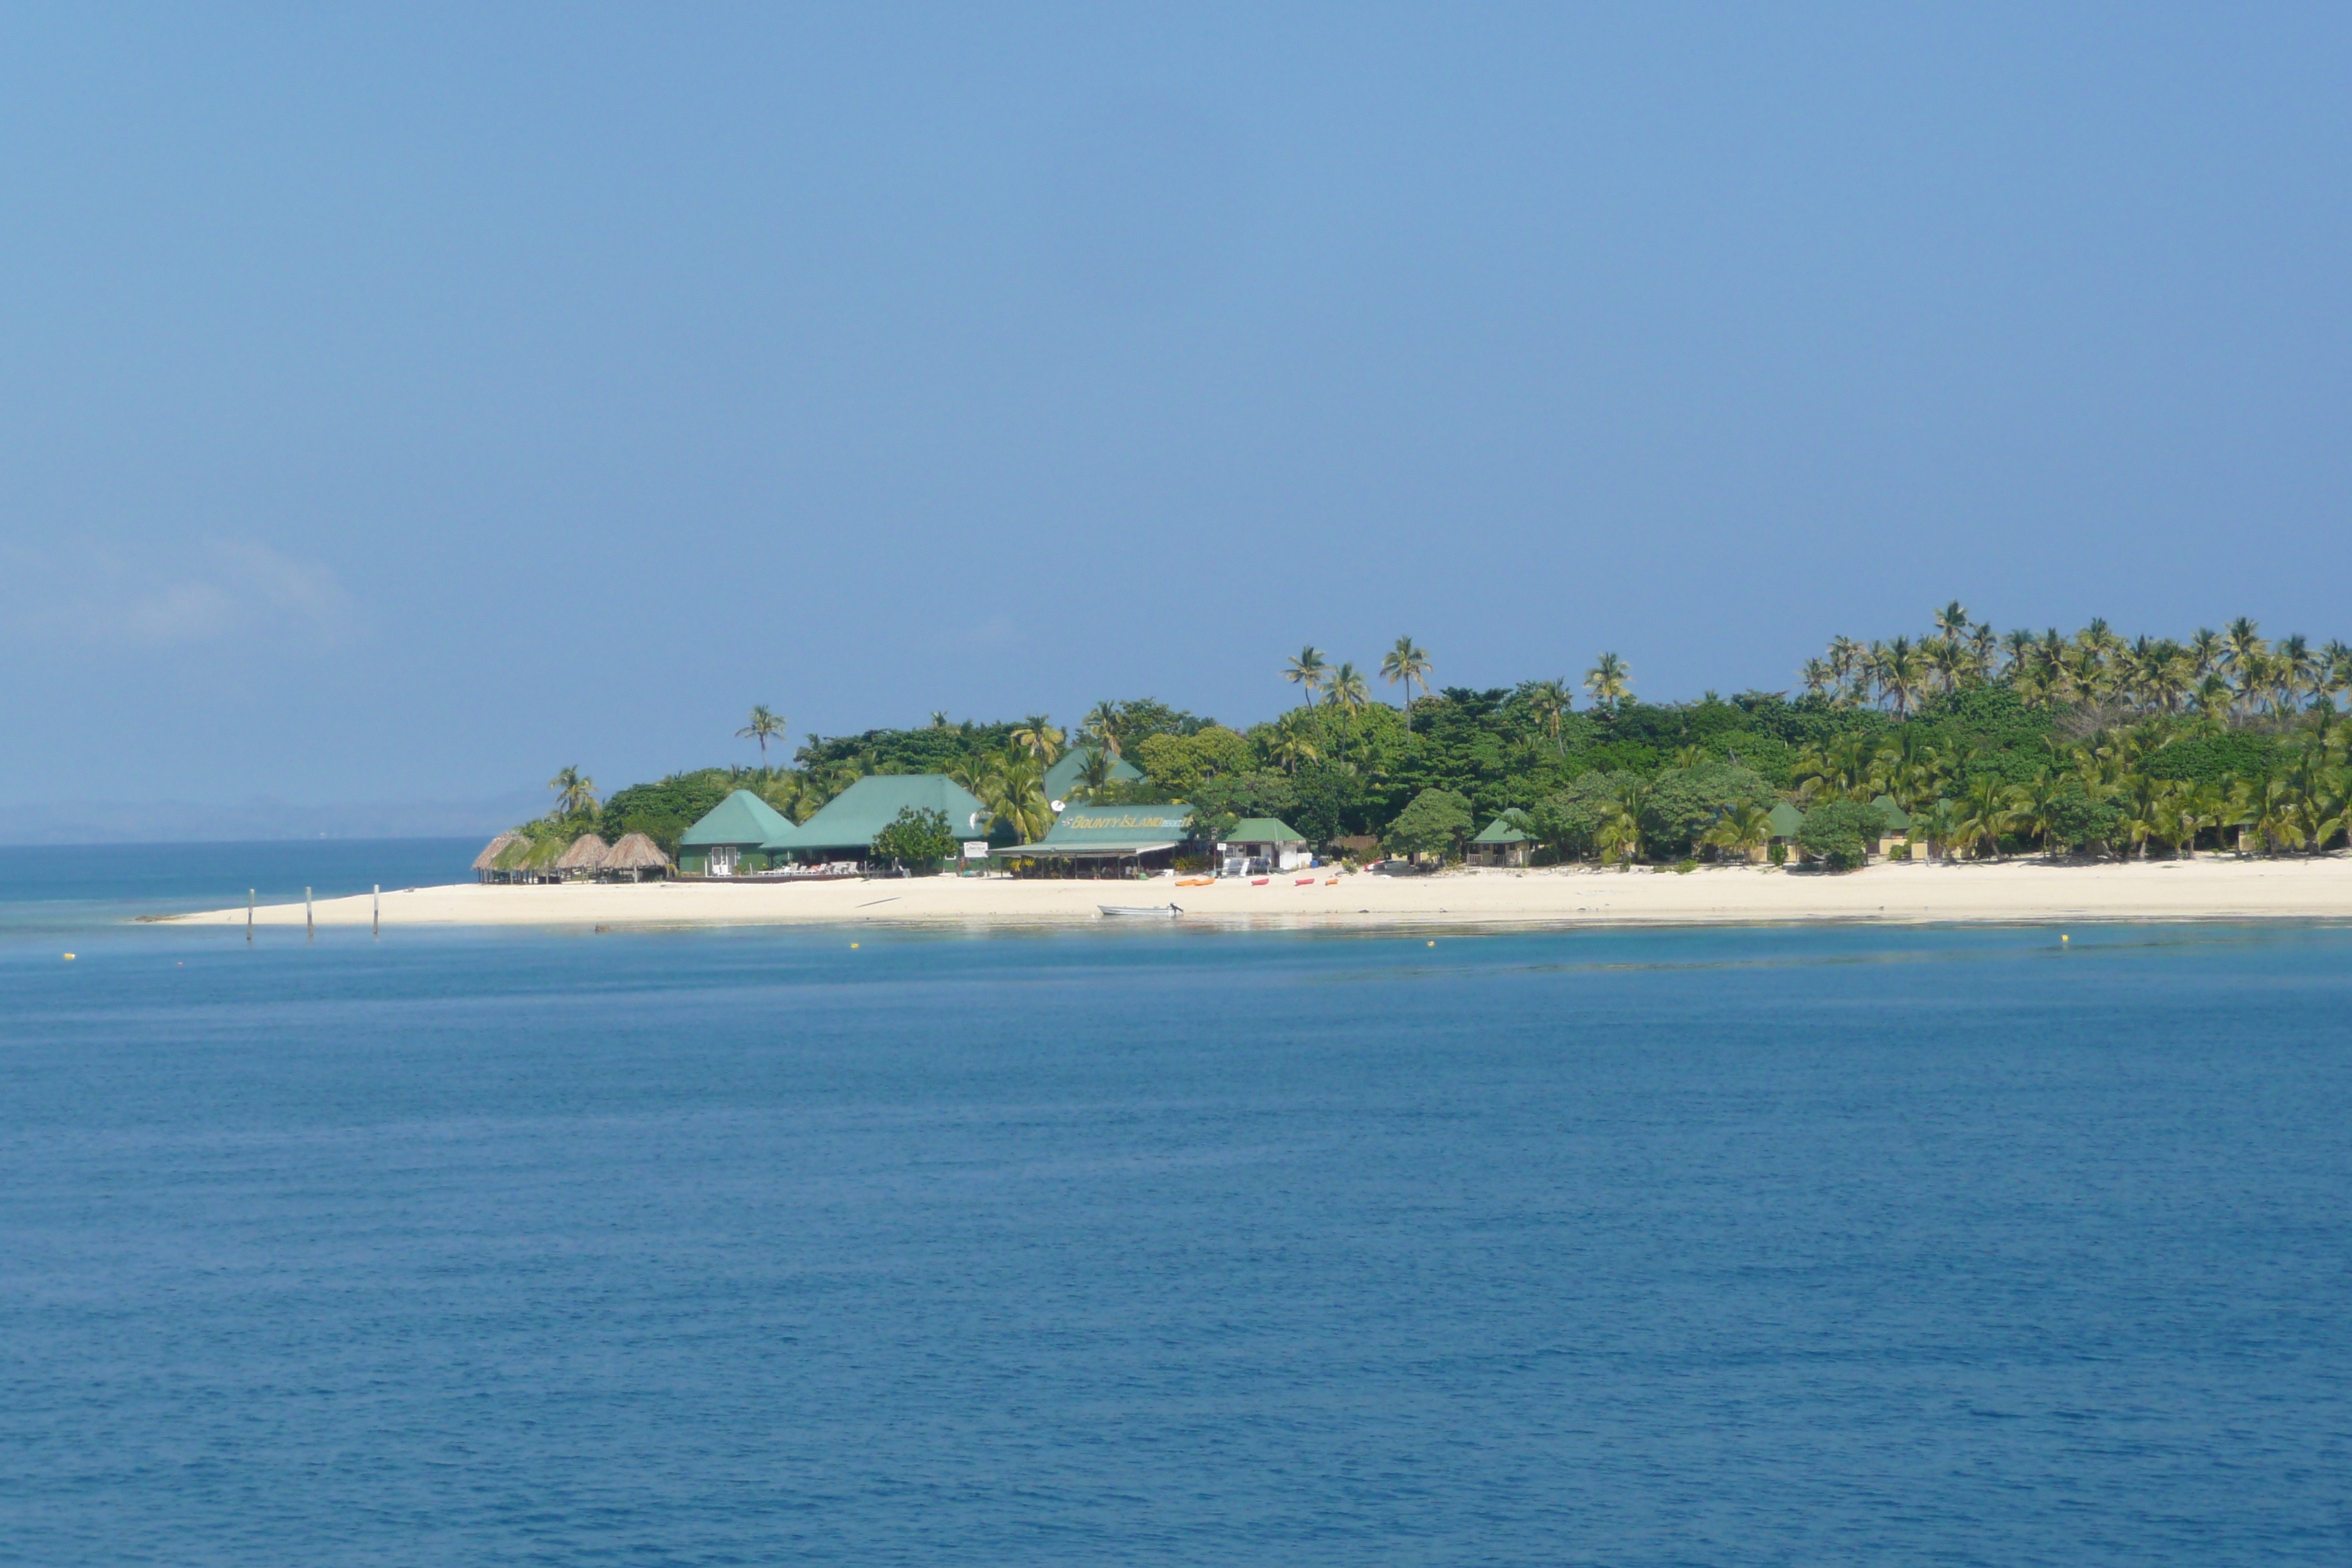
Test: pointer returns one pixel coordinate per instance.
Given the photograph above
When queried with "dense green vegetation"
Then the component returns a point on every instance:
(1993, 744)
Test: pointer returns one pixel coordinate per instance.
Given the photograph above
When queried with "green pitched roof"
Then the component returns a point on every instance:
(1502, 830)
(1111, 830)
(851, 819)
(1785, 819)
(1263, 830)
(743, 819)
(1063, 776)
(1897, 820)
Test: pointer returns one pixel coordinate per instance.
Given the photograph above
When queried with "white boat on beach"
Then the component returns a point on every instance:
(1141, 911)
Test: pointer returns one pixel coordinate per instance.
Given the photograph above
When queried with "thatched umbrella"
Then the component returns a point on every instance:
(587, 853)
(486, 862)
(637, 855)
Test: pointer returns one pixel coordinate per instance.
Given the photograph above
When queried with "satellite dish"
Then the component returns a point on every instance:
(1057, 808)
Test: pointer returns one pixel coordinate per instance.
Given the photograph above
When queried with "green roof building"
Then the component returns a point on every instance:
(1108, 838)
(846, 829)
(1259, 845)
(1501, 844)
(741, 824)
(1785, 820)
(1897, 820)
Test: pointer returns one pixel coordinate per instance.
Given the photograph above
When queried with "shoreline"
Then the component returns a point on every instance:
(2214, 888)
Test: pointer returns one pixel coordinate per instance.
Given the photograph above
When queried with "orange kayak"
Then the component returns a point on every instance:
(1196, 881)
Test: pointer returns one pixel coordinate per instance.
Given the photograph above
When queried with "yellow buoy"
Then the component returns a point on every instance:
(1432, 944)
(69, 957)
(853, 944)
(2064, 937)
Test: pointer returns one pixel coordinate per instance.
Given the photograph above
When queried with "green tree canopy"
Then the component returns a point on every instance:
(1436, 821)
(916, 838)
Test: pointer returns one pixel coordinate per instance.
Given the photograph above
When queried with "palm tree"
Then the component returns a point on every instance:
(1983, 645)
(1349, 691)
(2241, 643)
(2207, 648)
(1817, 676)
(1408, 662)
(2335, 669)
(1290, 745)
(1037, 735)
(1845, 653)
(1951, 621)
(2297, 667)
(1740, 829)
(575, 793)
(1550, 701)
(1985, 815)
(763, 727)
(1101, 726)
(2270, 808)
(1899, 673)
(939, 719)
(1015, 789)
(1306, 671)
(1609, 680)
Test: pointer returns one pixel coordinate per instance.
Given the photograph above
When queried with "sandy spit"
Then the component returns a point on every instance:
(2211, 888)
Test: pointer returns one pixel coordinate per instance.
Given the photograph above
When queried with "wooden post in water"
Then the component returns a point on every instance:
(375, 912)
(309, 922)
(248, 916)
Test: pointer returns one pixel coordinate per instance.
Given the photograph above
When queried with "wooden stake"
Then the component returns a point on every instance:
(310, 923)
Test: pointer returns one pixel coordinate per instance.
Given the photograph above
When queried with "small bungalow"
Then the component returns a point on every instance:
(1501, 844)
(1070, 772)
(1259, 846)
(1105, 841)
(582, 860)
(737, 828)
(633, 858)
(1898, 823)
(844, 829)
(1786, 822)
(486, 865)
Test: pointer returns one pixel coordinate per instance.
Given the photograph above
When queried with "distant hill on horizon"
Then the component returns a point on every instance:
(190, 822)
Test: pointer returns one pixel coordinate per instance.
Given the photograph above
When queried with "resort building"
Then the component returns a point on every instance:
(1104, 841)
(1070, 772)
(634, 858)
(736, 829)
(583, 860)
(1897, 821)
(1501, 844)
(488, 867)
(846, 829)
(1259, 846)
(1785, 820)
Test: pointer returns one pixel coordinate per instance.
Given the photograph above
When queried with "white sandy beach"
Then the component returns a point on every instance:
(2209, 887)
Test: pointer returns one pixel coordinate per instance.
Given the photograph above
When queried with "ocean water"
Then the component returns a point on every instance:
(1762, 1245)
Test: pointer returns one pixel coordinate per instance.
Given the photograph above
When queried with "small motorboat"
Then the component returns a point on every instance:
(1141, 911)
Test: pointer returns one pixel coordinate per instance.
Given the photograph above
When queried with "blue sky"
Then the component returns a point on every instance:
(409, 401)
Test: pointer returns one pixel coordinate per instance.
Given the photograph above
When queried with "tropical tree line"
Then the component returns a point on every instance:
(1992, 744)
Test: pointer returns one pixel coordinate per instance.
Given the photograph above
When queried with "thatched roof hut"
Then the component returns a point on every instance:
(635, 855)
(586, 853)
(487, 860)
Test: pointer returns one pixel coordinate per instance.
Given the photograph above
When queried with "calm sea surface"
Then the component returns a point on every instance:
(1737, 1246)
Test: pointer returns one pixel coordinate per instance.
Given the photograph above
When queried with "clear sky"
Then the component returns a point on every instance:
(413, 400)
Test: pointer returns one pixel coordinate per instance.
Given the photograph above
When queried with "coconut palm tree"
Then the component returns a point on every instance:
(1951, 621)
(1351, 693)
(2270, 808)
(1550, 701)
(1101, 725)
(1620, 834)
(1015, 789)
(1037, 735)
(1741, 829)
(1407, 662)
(1985, 813)
(1291, 744)
(1899, 673)
(2336, 667)
(1609, 680)
(763, 727)
(2296, 667)
(575, 793)
(1817, 676)
(1306, 671)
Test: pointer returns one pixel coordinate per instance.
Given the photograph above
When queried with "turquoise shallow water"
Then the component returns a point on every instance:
(1733, 1246)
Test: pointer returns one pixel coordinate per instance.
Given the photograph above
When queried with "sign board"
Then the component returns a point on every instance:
(976, 851)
